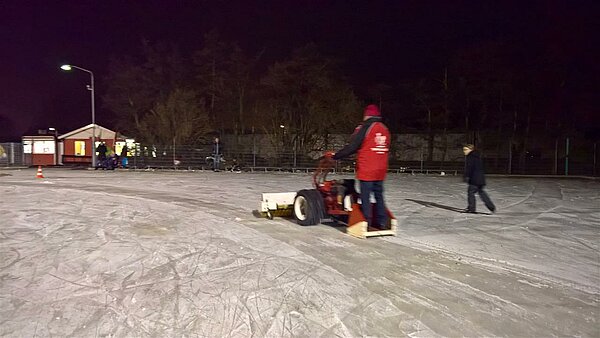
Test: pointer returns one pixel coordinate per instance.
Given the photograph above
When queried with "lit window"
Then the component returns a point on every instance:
(79, 148)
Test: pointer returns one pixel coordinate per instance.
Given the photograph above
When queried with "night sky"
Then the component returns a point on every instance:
(378, 41)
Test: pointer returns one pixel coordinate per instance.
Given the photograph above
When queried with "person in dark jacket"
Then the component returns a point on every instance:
(371, 142)
(101, 151)
(475, 177)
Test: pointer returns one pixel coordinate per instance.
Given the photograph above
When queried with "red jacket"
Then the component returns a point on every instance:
(371, 142)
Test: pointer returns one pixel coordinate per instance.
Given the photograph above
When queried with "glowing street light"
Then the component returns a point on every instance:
(90, 88)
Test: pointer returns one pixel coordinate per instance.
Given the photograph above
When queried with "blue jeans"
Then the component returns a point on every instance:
(375, 187)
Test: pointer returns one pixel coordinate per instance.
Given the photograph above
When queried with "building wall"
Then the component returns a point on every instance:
(42, 159)
(69, 150)
(39, 150)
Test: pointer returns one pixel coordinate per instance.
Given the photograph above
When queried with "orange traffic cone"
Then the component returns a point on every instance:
(39, 173)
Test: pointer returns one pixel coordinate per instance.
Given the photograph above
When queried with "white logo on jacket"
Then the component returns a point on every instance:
(380, 141)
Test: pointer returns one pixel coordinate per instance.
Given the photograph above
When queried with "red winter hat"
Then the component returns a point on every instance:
(372, 110)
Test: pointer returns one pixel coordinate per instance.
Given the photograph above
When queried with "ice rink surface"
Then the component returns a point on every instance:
(180, 254)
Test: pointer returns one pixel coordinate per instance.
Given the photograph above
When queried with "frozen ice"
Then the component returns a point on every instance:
(176, 253)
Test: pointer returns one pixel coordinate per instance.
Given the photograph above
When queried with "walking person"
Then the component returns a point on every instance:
(371, 141)
(475, 177)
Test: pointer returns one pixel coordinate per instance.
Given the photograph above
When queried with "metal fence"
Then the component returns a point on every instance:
(579, 160)
(541, 156)
(409, 153)
(11, 155)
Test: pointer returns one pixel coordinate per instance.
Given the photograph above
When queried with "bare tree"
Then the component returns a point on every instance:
(211, 73)
(180, 119)
(306, 95)
(137, 84)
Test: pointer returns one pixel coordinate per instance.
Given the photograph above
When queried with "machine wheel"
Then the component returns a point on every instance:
(308, 207)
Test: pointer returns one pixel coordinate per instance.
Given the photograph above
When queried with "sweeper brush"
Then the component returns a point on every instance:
(330, 199)
(278, 204)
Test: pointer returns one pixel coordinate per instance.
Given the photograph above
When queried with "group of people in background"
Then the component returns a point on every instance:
(109, 160)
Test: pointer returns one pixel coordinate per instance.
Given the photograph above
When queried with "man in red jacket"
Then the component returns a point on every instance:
(371, 141)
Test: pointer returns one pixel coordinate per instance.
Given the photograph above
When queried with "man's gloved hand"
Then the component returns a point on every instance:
(328, 154)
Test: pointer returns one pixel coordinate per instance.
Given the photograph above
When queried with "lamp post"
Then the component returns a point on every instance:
(294, 149)
(55, 134)
(91, 89)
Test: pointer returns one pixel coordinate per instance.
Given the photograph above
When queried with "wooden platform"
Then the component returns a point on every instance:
(358, 227)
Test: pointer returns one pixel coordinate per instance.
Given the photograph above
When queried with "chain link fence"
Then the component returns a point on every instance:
(11, 155)
(410, 153)
(542, 155)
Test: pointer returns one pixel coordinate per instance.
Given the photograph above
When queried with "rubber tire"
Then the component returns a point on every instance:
(313, 210)
(320, 203)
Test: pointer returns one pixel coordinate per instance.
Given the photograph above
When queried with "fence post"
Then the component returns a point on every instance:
(295, 152)
(567, 157)
(421, 157)
(555, 169)
(594, 168)
(253, 148)
(509, 157)
(12, 154)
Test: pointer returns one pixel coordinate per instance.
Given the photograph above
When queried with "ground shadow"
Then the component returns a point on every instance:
(436, 205)
(338, 225)
(441, 206)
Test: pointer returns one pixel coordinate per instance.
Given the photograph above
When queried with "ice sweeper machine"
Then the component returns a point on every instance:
(334, 200)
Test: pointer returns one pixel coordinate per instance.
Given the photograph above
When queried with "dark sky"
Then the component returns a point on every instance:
(379, 41)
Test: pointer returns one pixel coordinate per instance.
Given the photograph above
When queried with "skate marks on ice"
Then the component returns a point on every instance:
(546, 227)
(450, 296)
(125, 267)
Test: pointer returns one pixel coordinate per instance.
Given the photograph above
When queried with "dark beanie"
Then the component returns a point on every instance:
(372, 110)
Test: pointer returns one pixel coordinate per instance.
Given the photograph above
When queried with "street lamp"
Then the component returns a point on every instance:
(55, 134)
(90, 88)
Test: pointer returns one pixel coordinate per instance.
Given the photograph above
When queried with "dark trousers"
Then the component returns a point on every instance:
(482, 194)
(216, 162)
(375, 187)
